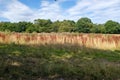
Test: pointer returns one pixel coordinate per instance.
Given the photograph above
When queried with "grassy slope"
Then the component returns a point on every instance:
(68, 62)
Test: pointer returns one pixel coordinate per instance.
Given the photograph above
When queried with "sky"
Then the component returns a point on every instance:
(99, 11)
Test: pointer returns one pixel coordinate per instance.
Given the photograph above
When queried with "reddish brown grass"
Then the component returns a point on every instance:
(100, 41)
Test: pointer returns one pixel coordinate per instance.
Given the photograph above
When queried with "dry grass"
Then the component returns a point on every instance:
(99, 41)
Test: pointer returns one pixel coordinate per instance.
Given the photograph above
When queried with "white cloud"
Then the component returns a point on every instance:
(98, 10)
(16, 11)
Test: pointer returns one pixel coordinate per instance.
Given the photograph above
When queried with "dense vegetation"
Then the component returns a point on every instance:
(59, 56)
(57, 62)
(83, 25)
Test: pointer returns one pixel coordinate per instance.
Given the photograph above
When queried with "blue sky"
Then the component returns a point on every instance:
(99, 11)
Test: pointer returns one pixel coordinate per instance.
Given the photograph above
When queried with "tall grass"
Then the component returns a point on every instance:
(99, 41)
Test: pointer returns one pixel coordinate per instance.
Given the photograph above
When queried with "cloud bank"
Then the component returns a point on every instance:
(97, 10)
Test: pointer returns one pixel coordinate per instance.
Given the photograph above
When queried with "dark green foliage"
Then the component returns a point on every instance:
(83, 25)
(14, 27)
(55, 26)
(32, 28)
(112, 27)
(22, 26)
(4, 26)
(97, 28)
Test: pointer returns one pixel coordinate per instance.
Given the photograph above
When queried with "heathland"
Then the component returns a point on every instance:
(59, 56)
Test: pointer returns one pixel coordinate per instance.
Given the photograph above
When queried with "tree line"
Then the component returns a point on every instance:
(83, 25)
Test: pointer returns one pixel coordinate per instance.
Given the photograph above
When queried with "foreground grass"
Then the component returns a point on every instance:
(57, 62)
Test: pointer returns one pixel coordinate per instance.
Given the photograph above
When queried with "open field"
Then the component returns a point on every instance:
(59, 56)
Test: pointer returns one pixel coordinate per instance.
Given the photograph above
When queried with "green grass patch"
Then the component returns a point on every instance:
(55, 62)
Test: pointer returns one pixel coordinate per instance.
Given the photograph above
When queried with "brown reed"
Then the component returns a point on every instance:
(99, 41)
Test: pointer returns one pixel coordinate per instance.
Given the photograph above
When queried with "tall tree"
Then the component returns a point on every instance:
(67, 26)
(84, 25)
(112, 27)
(55, 26)
(43, 25)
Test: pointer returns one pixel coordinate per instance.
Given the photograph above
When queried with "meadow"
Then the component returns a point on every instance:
(59, 56)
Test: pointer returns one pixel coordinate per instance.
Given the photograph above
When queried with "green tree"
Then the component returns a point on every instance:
(55, 26)
(2, 26)
(22, 26)
(31, 28)
(67, 26)
(112, 27)
(98, 28)
(43, 25)
(84, 25)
